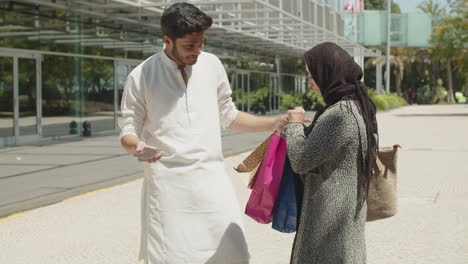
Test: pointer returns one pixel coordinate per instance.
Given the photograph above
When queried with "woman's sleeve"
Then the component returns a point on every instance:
(133, 107)
(324, 143)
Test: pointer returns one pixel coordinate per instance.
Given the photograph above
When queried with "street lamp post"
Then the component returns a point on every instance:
(389, 20)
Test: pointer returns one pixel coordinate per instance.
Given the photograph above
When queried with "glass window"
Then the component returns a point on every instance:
(6, 97)
(121, 75)
(27, 96)
(98, 93)
(61, 98)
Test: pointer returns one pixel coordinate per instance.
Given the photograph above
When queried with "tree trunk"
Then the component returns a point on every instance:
(433, 76)
(398, 81)
(450, 96)
(413, 73)
(456, 82)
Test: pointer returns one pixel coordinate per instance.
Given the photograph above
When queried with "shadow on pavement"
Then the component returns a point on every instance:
(434, 115)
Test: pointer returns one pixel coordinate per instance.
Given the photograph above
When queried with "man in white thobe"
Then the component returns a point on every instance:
(176, 101)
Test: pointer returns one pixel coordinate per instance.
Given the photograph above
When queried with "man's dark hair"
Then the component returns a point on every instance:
(183, 18)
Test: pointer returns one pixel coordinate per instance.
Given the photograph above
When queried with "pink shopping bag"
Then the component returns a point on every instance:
(265, 189)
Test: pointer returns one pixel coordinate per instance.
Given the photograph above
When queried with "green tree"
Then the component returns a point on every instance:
(433, 7)
(381, 5)
(436, 9)
(401, 59)
(449, 40)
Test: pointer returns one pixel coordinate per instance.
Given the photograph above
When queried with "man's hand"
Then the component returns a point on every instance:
(140, 149)
(280, 122)
(134, 145)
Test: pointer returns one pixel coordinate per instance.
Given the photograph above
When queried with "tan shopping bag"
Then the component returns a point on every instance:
(248, 168)
(250, 177)
(382, 200)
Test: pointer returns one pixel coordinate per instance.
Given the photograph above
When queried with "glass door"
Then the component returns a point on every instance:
(20, 98)
(7, 131)
(27, 97)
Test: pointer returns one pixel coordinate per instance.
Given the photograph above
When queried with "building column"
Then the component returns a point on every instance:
(279, 81)
(378, 77)
(359, 59)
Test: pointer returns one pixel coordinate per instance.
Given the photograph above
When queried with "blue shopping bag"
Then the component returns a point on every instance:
(289, 201)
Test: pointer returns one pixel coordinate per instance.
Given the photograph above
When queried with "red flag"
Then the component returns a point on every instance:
(354, 6)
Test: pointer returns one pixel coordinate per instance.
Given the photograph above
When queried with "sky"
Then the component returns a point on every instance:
(408, 6)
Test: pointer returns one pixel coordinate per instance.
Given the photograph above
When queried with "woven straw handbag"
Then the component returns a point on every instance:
(382, 199)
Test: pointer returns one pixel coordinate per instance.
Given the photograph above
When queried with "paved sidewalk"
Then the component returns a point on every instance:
(431, 227)
(39, 175)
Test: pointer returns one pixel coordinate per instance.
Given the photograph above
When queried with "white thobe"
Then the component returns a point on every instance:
(190, 213)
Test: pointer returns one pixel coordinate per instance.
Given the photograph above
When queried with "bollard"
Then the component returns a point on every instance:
(73, 126)
(86, 129)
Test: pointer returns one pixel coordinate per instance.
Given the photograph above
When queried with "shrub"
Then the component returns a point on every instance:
(386, 101)
(440, 95)
(289, 101)
(312, 101)
(259, 100)
(460, 97)
(426, 95)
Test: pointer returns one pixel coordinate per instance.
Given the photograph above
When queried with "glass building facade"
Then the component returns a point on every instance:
(407, 30)
(63, 63)
(50, 83)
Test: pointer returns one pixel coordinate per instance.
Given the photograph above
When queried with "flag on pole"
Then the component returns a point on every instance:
(354, 6)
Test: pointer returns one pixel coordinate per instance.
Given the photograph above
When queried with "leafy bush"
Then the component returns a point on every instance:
(386, 101)
(426, 95)
(259, 101)
(289, 101)
(440, 95)
(460, 97)
(380, 102)
(312, 101)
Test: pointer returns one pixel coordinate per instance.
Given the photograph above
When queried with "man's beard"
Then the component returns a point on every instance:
(176, 54)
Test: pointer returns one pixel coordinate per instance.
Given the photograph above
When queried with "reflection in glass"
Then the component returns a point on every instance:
(74, 89)
(60, 97)
(6, 97)
(122, 71)
(98, 93)
(27, 96)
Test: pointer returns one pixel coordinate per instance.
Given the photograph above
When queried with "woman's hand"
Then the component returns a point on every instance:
(297, 115)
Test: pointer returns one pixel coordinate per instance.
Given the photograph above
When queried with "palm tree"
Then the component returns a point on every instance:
(400, 58)
(432, 7)
(449, 40)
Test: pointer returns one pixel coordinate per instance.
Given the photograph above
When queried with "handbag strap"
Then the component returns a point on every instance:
(378, 165)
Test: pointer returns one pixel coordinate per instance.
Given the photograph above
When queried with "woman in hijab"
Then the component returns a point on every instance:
(334, 157)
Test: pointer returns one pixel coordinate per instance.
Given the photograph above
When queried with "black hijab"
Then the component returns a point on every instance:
(338, 76)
